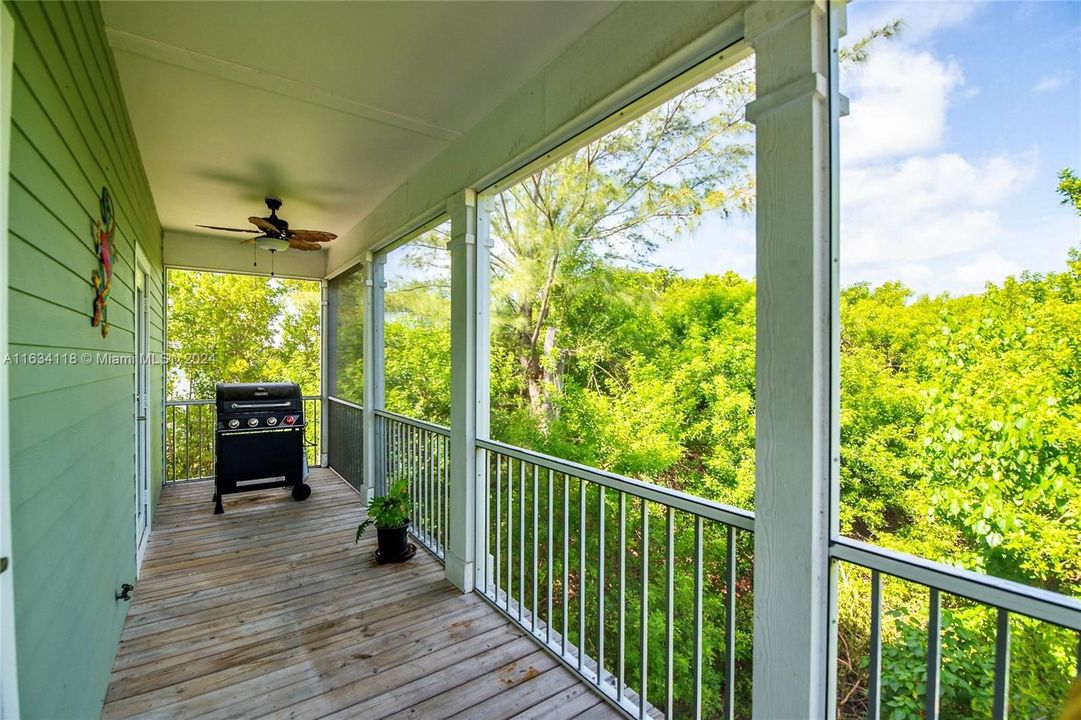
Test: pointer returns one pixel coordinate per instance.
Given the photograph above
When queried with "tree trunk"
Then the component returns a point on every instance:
(544, 377)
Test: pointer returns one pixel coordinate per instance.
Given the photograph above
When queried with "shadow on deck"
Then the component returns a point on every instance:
(271, 611)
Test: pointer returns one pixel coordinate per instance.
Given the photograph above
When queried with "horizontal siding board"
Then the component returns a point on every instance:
(59, 157)
(34, 320)
(50, 279)
(107, 100)
(52, 115)
(52, 53)
(28, 381)
(73, 430)
(43, 183)
(68, 413)
(35, 273)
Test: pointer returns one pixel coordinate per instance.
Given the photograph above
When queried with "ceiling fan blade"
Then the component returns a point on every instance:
(312, 235)
(265, 226)
(215, 227)
(298, 244)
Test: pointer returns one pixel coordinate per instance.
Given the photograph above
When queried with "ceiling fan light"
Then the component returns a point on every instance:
(272, 244)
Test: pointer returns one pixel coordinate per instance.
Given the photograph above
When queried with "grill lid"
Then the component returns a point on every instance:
(257, 391)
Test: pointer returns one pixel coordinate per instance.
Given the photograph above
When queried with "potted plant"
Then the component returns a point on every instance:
(390, 515)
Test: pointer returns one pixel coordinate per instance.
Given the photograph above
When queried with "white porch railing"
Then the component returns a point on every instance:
(564, 563)
(670, 585)
(418, 453)
(1004, 597)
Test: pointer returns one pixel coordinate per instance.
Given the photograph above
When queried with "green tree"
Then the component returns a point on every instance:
(241, 328)
(615, 198)
(1069, 186)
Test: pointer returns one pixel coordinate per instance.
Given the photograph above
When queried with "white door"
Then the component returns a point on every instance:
(142, 429)
(9, 687)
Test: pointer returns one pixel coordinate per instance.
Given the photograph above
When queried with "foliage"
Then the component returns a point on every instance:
(615, 198)
(347, 295)
(1069, 186)
(960, 416)
(960, 421)
(859, 52)
(241, 328)
(389, 510)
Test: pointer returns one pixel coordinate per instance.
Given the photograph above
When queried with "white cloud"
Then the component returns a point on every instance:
(987, 267)
(899, 103)
(921, 19)
(924, 208)
(1047, 84)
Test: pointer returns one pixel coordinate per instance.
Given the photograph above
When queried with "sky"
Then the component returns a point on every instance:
(949, 156)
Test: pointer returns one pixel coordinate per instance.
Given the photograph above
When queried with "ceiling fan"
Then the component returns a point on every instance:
(276, 235)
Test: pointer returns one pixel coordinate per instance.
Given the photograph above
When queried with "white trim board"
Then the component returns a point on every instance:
(9, 683)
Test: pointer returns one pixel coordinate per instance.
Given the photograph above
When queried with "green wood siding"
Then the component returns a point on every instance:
(73, 432)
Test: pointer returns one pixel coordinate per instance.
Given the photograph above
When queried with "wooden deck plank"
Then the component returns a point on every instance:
(271, 610)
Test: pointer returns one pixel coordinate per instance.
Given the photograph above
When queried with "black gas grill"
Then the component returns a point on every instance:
(260, 439)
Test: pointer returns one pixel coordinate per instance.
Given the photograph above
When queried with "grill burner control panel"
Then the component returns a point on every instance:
(260, 437)
(254, 421)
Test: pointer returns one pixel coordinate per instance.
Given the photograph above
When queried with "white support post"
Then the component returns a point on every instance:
(326, 366)
(374, 376)
(468, 384)
(794, 503)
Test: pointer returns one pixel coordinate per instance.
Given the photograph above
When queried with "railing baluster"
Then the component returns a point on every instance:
(581, 573)
(536, 517)
(644, 619)
(429, 517)
(621, 660)
(487, 514)
(510, 530)
(874, 665)
(521, 540)
(730, 626)
(411, 458)
(698, 629)
(187, 441)
(498, 523)
(444, 533)
(566, 558)
(934, 654)
(173, 426)
(600, 585)
(548, 573)
(1001, 704)
(669, 609)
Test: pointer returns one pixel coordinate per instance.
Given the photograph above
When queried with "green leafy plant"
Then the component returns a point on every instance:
(391, 510)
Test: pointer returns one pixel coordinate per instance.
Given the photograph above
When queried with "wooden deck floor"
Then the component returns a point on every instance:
(271, 611)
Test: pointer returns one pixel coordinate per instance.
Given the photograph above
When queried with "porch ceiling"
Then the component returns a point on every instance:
(329, 105)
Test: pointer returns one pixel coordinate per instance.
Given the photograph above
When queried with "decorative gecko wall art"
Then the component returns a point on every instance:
(102, 278)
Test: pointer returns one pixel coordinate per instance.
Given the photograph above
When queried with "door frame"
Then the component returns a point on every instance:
(9, 683)
(141, 485)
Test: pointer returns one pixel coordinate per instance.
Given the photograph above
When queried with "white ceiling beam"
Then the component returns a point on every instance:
(269, 82)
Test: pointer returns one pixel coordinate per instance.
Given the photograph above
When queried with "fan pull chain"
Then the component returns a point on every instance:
(272, 254)
(254, 255)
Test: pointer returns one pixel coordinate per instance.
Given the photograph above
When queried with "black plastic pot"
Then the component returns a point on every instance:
(393, 544)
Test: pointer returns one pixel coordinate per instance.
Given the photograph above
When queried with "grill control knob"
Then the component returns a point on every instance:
(234, 423)
(290, 419)
(272, 421)
(252, 422)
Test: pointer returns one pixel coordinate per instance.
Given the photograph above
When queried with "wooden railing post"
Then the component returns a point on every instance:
(795, 314)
